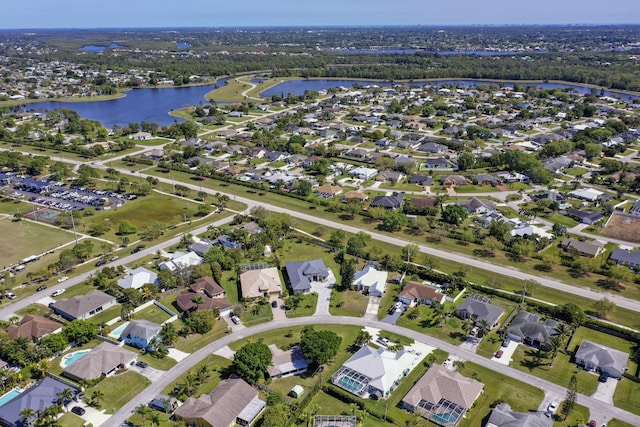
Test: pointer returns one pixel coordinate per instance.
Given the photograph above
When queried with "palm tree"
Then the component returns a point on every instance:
(439, 312)
(27, 414)
(143, 411)
(168, 334)
(485, 327)
(155, 418)
(65, 397)
(563, 330)
(555, 344)
(96, 396)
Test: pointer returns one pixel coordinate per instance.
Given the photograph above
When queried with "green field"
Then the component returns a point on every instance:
(119, 389)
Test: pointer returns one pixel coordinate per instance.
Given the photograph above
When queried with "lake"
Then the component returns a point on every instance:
(99, 49)
(154, 105)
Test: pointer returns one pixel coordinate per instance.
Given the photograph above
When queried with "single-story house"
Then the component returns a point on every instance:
(418, 293)
(363, 173)
(442, 396)
(302, 273)
(105, 359)
(503, 416)
(487, 179)
(371, 281)
(527, 328)
(477, 206)
(33, 327)
(478, 308)
(287, 363)
(372, 371)
(453, 180)
(531, 230)
(257, 283)
(590, 249)
(394, 201)
(422, 180)
(227, 242)
(327, 191)
(232, 402)
(354, 195)
(164, 403)
(608, 361)
(209, 292)
(180, 260)
(39, 397)
(83, 306)
(390, 175)
(625, 257)
(137, 278)
(139, 333)
(140, 136)
(588, 194)
(585, 217)
(436, 163)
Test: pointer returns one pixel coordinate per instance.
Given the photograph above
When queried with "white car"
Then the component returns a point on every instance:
(63, 278)
(11, 295)
(235, 320)
(552, 408)
(58, 292)
(398, 305)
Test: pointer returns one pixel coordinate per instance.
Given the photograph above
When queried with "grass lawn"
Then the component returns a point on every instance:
(34, 308)
(119, 389)
(106, 315)
(449, 330)
(529, 360)
(193, 342)
(348, 303)
(70, 420)
(579, 415)
(626, 396)
(162, 364)
(153, 313)
(618, 423)
(329, 405)
(307, 306)
(563, 220)
(218, 369)
(27, 238)
(489, 344)
(398, 186)
(576, 171)
(229, 282)
(476, 189)
(388, 299)
(256, 314)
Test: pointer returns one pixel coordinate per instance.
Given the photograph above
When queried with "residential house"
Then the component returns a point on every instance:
(140, 136)
(200, 246)
(422, 180)
(302, 273)
(232, 402)
(83, 306)
(156, 154)
(531, 230)
(204, 294)
(585, 217)
(437, 163)
(478, 308)
(413, 293)
(442, 396)
(390, 175)
(327, 191)
(371, 281)
(453, 180)
(589, 249)
(276, 156)
(588, 194)
(503, 416)
(260, 282)
(433, 148)
(287, 363)
(487, 179)
(38, 397)
(181, 260)
(103, 360)
(164, 403)
(354, 195)
(595, 357)
(137, 278)
(227, 242)
(139, 333)
(477, 206)
(635, 209)
(358, 153)
(527, 328)
(626, 257)
(511, 177)
(374, 372)
(33, 327)
(394, 201)
(363, 173)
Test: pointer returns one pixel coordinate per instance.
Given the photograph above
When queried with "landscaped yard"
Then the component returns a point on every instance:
(306, 306)
(153, 313)
(448, 329)
(257, 313)
(626, 395)
(388, 299)
(70, 420)
(193, 342)
(579, 415)
(119, 389)
(348, 303)
(217, 367)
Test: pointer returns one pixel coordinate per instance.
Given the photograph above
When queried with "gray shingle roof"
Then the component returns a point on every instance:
(300, 272)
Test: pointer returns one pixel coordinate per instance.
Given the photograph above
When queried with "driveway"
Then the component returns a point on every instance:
(471, 344)
(92, 415)
(278, 311)
(372, 307)
(605, 390)
(507, 353)
(152, 373)
(323, 289)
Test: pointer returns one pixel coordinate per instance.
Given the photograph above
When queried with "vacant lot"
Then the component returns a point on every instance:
(28, 238)
(623, 227)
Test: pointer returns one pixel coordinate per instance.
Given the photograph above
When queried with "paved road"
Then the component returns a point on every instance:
(598, 408)
(9, 310)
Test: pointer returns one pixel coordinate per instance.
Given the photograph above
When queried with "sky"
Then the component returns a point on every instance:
(266, 13)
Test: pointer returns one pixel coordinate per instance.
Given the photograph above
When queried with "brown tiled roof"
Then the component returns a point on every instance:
(32, 326)
(185, 302)
(208, 285)
(416, 290)
(441, 383)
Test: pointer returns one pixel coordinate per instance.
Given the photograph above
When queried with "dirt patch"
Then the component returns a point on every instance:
(624, 227)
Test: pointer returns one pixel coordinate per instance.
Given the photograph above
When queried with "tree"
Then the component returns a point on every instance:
(79, 331)
(201, 321)
(144, 411)
(303, 187)
(27, 414)
(96, 397)
(466, 160)
(363, 338)
(65, 397)
(409, 252)
(573, 314)
(168, 334)
(559, 230)
(275, 416)
(604, 307)
(454, 214)
(439, 312)
(320, 346)
(347, 272)
(126, 228)
(572, 396)
(252, 361)
(394, 220)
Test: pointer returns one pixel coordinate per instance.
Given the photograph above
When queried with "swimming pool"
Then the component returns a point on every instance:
(119, 330)
(349, 384)
(446, 418)
(5, 398)
(68, 359)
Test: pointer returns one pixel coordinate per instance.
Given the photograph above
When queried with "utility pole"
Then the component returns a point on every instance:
(73, 223)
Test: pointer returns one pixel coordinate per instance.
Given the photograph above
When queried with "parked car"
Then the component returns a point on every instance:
(506, 342)
(101, 262)
(135, 250)
(10, 295)
(499, 354)
(235, 320)
(592, 423)
(474, 331)
(41, 288)
(397, 305)
(552, 408)
(383, 341)
(78, 410)
(58, 292)
(141, 364)
(274, 304)
(603, 378)
(113, 258)
(63, 278)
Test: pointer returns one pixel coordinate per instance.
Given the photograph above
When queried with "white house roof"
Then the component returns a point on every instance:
(587, 194)
(382, 366)
(531, 230)
(181, 260)
(137, 278)
(371, 279)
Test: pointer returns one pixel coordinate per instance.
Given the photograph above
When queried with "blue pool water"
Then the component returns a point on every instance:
(9, 396)
(349, 384)
(119, 330)
(445, 418)
(72, 357)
